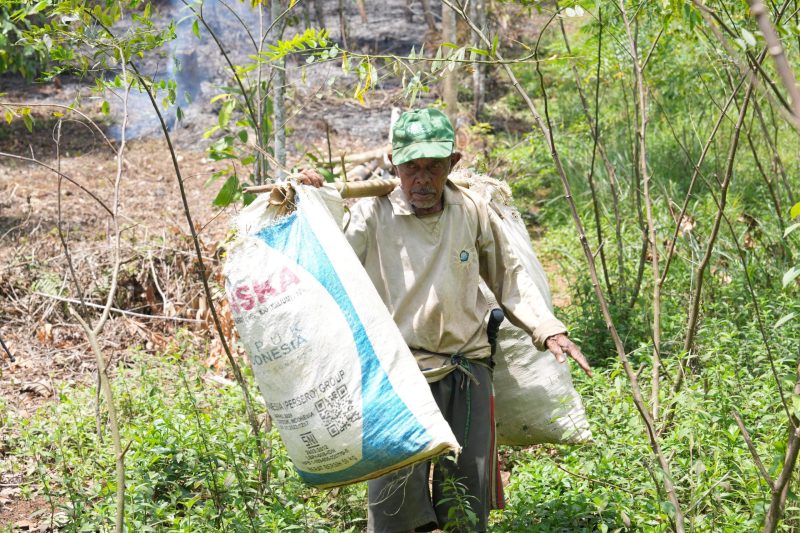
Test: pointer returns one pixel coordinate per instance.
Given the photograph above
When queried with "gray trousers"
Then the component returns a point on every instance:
(402, 500)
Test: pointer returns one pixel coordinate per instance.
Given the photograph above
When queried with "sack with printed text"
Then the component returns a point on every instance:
(535, 400)
(339, 381)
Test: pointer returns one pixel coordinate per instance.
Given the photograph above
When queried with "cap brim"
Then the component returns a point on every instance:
(432, 149)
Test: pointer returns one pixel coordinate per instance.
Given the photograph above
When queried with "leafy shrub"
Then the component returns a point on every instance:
(17, 55)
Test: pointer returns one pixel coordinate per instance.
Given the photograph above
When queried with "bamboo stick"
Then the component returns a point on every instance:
(351, 189)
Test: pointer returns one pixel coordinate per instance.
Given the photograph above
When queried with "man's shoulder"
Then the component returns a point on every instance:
(473, 202)
(371, 206)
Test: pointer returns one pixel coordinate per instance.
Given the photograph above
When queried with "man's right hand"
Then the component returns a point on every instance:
(309, 176)
(561, 346)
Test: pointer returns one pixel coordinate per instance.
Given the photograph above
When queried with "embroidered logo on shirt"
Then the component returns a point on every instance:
(464, 256)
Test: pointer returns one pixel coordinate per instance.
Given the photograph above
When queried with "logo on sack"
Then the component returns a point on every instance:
(248, 295)
(278, 347)
(463, 256)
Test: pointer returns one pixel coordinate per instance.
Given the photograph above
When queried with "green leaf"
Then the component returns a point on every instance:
(795, 211)
(247, 198)
(225, 112)
(791, 229)
(749, 38)
(790, 276)
(221, 149)
(38, 7)
(784, 319)
(329, 176)
(211, 131)
(196, 28)
(219, 97)
(227, 193)
(9, 116)
(105, 108)
(26, 118)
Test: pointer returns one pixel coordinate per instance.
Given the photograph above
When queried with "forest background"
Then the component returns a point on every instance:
(652, 148)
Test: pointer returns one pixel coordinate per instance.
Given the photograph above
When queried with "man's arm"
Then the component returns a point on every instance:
(519, 295)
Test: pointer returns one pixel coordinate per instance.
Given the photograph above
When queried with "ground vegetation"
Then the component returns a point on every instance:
(651, 148)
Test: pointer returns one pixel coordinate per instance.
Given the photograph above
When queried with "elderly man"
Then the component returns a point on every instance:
(426, 246)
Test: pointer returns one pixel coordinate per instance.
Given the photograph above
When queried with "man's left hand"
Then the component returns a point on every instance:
(561, 346)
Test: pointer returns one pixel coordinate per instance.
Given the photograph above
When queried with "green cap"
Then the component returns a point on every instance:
(422, 133)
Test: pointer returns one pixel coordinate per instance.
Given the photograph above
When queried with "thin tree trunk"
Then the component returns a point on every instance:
(261, 98)
(236, 369)
(637, 199)
(93, 331)
(428, 14)
(278, 96)
(648, 203)
(777, 164)
(478, 8)
(770, 187)
(775, 49)
(780, 489)
(598, 147)
(116, 439)
(691, 327)
(342, 25)
(612, 176)
(635, 390)
(753, 69)
(449, 87)
(692, 181)
(362, 11)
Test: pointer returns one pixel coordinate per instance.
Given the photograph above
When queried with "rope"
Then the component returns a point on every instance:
(463, 364)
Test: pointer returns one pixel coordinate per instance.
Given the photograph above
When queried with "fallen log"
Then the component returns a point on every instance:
(369, 155)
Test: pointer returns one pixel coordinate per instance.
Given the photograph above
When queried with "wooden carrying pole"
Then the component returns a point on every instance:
(351, 189)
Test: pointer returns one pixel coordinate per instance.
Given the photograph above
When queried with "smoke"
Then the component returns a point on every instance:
(195, 64)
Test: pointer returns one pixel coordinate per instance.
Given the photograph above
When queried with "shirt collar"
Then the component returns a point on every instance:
(401, 205)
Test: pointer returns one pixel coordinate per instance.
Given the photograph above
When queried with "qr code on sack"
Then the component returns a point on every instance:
(336, 411)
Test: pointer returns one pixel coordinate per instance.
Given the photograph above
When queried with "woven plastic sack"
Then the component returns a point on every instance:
(535, 400)
(339, 381)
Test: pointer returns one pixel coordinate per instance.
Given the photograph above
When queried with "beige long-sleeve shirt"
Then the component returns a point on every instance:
(427, 270)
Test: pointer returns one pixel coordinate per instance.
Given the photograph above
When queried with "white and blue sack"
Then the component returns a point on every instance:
(339, 381)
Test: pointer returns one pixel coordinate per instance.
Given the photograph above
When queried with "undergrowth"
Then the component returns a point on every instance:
(191, 461)
(192, 464)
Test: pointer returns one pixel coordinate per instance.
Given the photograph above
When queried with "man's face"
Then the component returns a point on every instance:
(422, 180)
